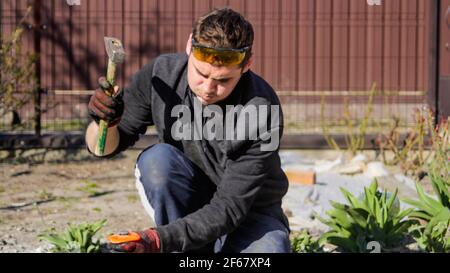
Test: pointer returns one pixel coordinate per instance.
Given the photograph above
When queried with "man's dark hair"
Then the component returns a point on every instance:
(223, 28)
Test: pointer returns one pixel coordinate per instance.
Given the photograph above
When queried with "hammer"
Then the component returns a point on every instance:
(116, 56)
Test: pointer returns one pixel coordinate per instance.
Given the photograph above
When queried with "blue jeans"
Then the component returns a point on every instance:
(171, 186)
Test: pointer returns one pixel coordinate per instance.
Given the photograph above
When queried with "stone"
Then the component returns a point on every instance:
(359, 158)
(376, 169)
(327, 165)
(352, 168)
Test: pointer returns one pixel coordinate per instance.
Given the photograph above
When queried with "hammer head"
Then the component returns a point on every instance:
(114, 49)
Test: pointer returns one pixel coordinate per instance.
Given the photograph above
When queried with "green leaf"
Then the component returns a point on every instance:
(418, 204)
(92, 249)
(433, 205)
(391, 200)
(373, 187)
(98, 225)
(404, 213)
(421, 215)
(353, 201)
(359, 216)
(440, 188)
(54, 239)
(342, 218)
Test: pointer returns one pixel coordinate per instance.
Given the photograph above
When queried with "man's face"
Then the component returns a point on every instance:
(211, 83)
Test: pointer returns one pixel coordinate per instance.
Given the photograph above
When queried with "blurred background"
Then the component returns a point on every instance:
(321, 56)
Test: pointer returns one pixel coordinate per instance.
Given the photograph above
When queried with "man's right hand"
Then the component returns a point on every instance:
(146, 241)
(102, 106)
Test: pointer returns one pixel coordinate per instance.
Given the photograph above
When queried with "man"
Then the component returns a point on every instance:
(204, 193)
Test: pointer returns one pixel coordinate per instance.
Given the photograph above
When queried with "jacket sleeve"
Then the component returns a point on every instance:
(137, 114)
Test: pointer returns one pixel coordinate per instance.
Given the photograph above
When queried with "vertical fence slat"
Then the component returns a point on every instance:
(271, 68)
(421, 46)
(409, 17)
(131, 39)
(167, 33)
(323, 45)
(96, 45)
(239, 6)
(201, 7)
(374, 46)
(184, 26)
(149, 47)
(357, 45)
(390, 47)
(340, 35)
(288, 45)
(255, 15)
(306, 33)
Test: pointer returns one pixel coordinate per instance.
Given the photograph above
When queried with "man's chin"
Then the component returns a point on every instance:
(205, 101)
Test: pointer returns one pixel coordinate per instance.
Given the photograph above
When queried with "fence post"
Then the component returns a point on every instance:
(37, 49)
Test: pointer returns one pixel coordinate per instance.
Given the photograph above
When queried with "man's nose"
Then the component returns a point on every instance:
(210, 86)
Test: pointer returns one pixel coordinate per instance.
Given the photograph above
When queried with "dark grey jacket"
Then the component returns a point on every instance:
(246, 177)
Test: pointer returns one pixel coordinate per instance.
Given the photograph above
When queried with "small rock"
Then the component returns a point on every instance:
(326, 165)
(359, 158)
(11, 242)
(376, 169)
(20, 229)
(352, 168)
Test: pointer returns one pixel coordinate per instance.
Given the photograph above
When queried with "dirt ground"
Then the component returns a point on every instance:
(41, 190)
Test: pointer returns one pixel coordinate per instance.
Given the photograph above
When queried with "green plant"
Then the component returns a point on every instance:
(440, 145)
(17, 73)
(355, 129)
(91, 188)
(303, 242)
(374, 217)
(408, 150)
(434, 234)
(77, 239)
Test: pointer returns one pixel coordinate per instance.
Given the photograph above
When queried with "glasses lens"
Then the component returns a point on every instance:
(219, 57)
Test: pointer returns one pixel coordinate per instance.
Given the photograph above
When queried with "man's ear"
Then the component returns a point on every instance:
(189, 45)
(249, 63)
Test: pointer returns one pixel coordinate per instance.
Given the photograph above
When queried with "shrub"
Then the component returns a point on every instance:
(77, 239)
(374, 217)
(303, 242)
(433, 235)
(17, 74)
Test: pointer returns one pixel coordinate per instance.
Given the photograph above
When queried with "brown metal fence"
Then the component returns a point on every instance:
(306, 49)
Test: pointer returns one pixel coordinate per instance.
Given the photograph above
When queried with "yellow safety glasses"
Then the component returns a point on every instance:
(219, 56)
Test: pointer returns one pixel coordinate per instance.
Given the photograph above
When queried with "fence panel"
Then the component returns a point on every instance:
(306, 49)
